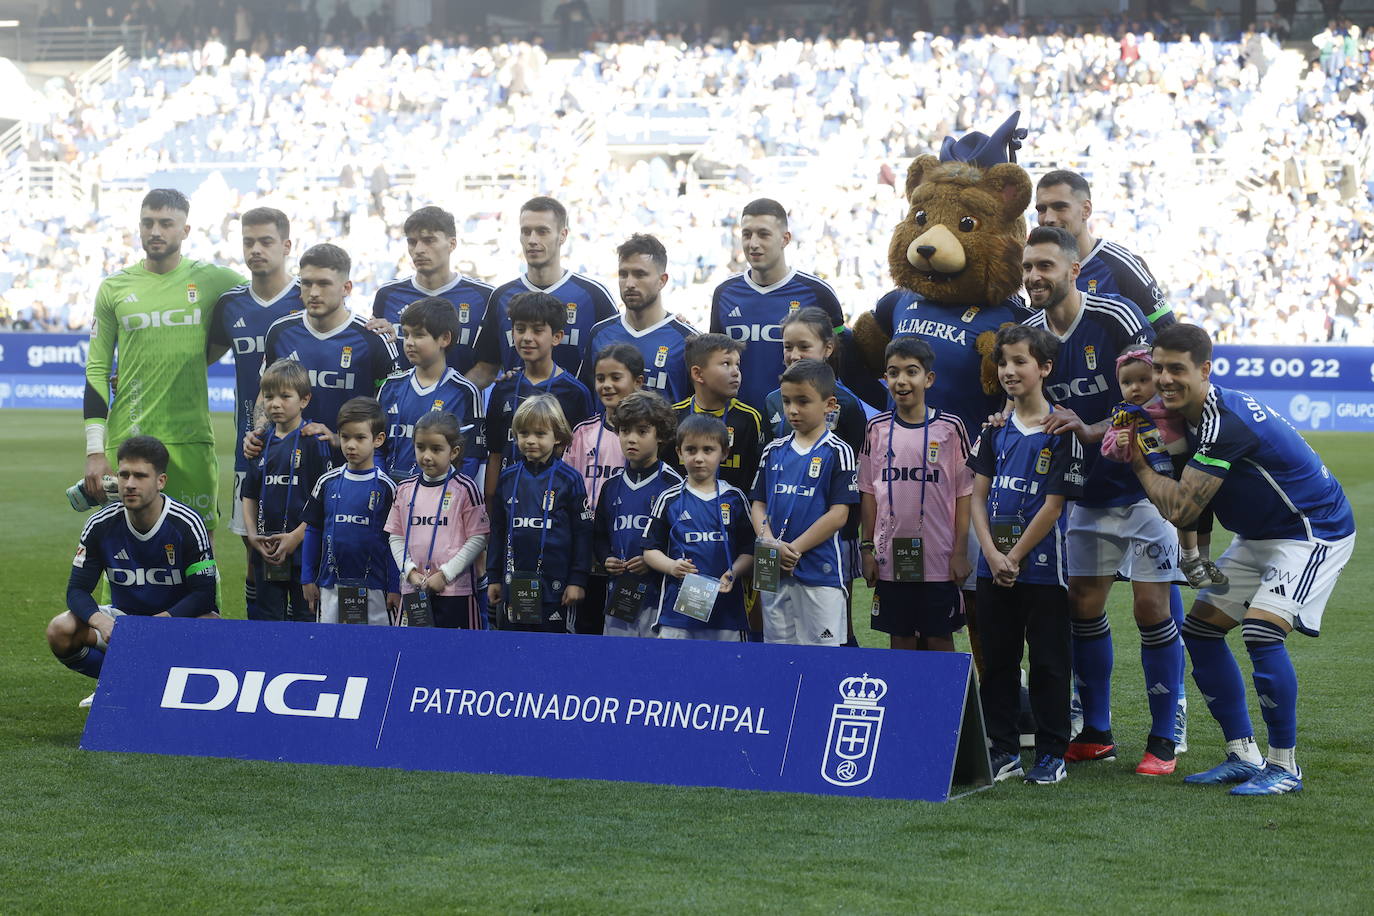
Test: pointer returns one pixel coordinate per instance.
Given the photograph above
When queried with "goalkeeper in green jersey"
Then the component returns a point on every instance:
(153, 318)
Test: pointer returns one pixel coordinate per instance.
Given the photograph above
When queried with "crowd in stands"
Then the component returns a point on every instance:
(349, 143)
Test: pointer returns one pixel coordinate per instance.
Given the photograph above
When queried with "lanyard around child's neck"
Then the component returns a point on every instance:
(720, 519)
(434, 525)
(546, 498)
(925, 469)
(781, 532)
(290, 477)
(330, 526)
(1004, 449)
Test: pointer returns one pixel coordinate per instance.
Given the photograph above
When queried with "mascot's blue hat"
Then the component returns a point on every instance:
(981, 150)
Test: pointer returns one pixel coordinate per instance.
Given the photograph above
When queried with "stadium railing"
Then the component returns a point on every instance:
(67, 43)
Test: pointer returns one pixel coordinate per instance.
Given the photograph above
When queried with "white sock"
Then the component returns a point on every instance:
(1246, 749)
(1284, 757)
(1189, 553)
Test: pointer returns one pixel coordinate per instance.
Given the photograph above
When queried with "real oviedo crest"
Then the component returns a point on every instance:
(856, 723)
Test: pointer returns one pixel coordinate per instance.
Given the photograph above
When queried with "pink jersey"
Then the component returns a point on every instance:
(930, 457)
(595, 454)
(1166, 421)
(461, 516)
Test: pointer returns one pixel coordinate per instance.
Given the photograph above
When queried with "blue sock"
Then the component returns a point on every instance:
(1092, 670)
(87, 661)
(1177, 613)
(1161, 655)
(1275, 680)
(250, 599)
(1218, 677)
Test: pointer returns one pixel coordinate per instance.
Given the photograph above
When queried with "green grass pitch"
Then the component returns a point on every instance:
(87, 832)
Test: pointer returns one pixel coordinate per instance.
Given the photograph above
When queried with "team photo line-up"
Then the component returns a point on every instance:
(527, 457)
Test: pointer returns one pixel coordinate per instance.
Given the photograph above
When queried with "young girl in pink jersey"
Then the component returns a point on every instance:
(595, 454)
(438, 527)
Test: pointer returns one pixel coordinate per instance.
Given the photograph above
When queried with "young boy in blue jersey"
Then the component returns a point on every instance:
(1023, 478)
(644, 424)
(154, 551)
(538, 321)
(430, 384)
(347, 572)
(275, 492)
(700, 529)
(806, 486)
(540, 551)
(1294, 533)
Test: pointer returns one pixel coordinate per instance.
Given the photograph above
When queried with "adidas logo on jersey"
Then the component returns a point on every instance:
(685, 516)
(393, 409)
(294, 355)
(733, 313)
(241, 323)
(122, 555)
(131, 298)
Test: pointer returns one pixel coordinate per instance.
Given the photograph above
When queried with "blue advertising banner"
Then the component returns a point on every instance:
(743, 716)
(1316, 388)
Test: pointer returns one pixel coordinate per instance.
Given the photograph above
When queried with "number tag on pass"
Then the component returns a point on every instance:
(352, 601)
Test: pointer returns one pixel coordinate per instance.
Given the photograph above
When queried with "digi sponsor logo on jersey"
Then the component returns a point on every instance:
(755, 333)
(245, 346)
(794, 489)
(345, 519)
(280, 480)
(1077, 388)
(327, 378)
(701, 537)
(167, 318)
(638, 523)
(154, 575)
(189, 689)
(432, 521)
(912, 475)
(1016, 484)
(522, 521)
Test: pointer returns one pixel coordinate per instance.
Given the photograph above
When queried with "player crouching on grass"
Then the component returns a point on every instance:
(154, 551)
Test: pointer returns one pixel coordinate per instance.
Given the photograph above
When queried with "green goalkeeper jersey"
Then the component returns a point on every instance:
(158, 323)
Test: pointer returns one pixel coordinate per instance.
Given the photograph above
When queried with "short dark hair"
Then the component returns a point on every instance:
(539, 308)
(144, 448)
(811, 372)
(700, 348)
(262, 216)
(446, 425)
(1043, 345)
(362, 410)
(766, 206)
(1186, 338)
(1053, 235)
(649, 408)
(627, 355)
(330, 257)
(435, 219)
(1063, 176)
(547, 205)
(912, 348)
(643, 243)
(437, 317)
(166, 199)
(703, 424)
(285, 375)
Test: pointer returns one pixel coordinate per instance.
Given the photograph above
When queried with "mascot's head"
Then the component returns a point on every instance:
(962, 239)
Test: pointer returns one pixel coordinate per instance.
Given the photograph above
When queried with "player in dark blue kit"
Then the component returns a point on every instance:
(154, 551)
(750, 307)
(345, 360)
(1112, 527)
(538, 322)
(543, 230)
(646, 325)
(430, 384)
(431, 238)
(540, 551)
(239, 322)
(1295, 532)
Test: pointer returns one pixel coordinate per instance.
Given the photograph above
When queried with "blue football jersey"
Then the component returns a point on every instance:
(348, 511)
(713, 532)
(951, 331)
(509, 393)
(282, 478)
(405, 401)
(664, 347)
(1084, 380)
(240, 322)
(754, 314)
(540, 524)
(1111, 270)
(587, 301)
(169, 568)
(1273, 484)
(348, 362)
(469, 298)
(798, 487)
(623, 515)
(1024, 465)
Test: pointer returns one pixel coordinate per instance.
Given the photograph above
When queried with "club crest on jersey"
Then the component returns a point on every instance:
(372, 501)
(572, 312)
(1092, 286)
(1042, 463)
(793, 305)
(815, 469)
(463, 312)
(548, 500)
(192, 294)
(725, 513)
(296, 459)
(970, 314)
(438, 405)
(1090, 354)
(661, 359)
(730, 436)
(933, 453)
(448, 500)
(171, 554)
(346, 358)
